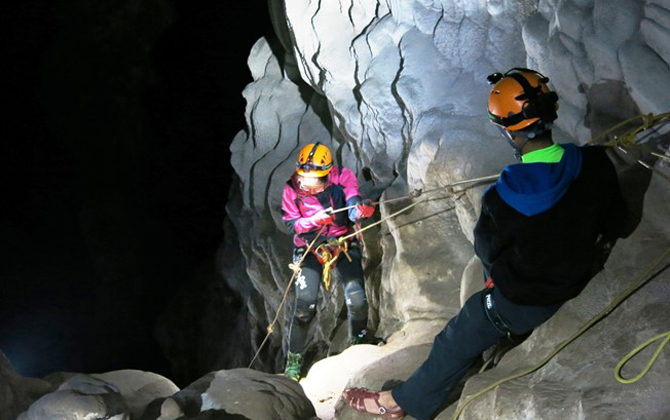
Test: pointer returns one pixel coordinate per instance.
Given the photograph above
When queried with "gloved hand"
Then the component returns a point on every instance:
(322, 218)
(365, 209)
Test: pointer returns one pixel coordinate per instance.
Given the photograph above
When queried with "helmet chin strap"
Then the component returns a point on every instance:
(517, 147)
(525, 137)
(509, 137)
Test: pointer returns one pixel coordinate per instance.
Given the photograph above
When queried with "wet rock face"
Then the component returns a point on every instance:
(397, 89)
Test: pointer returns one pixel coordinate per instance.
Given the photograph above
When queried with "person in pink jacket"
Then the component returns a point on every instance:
(317, 187)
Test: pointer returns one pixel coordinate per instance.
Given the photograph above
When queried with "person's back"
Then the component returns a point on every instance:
(549, 217)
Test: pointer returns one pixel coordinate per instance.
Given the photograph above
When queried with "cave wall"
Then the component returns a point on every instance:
(398, 90)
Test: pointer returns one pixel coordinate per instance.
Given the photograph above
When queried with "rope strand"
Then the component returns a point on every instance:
(418, 193)
(628, 139)
(296, 270)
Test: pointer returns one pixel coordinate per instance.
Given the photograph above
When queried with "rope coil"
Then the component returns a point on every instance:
(636, 350)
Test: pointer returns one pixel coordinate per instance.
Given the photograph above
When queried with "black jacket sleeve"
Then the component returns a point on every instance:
(615, 220)
(490, 239)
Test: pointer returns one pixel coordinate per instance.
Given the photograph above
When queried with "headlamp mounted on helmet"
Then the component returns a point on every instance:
(518, 139)
(538, 101)
(310, 167)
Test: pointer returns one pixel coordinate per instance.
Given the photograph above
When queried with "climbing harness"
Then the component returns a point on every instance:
(327, 253)
(637, 284)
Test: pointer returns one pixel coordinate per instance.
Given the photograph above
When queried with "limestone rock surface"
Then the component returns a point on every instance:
(236, 394)
(16, 392)
(138, 388)
(82, 397)
(397, 89)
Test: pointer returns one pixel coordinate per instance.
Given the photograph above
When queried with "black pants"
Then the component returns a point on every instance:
(474, 329)
(307, 286)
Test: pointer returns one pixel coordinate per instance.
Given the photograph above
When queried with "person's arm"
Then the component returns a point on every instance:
(489, 239)
(615, 223)
(293, 218)
(363, 208)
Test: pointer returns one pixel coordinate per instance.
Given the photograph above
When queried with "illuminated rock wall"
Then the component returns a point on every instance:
(398, 90)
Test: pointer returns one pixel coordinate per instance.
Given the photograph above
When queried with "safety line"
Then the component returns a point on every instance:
(628, 139)
(383, 219)
(418, 192)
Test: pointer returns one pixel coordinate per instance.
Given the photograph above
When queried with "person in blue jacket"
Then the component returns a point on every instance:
(538, 236)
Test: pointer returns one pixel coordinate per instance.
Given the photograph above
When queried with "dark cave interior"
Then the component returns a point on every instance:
(117, 170)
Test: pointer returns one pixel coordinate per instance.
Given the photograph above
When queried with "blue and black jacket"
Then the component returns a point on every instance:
(539, 224)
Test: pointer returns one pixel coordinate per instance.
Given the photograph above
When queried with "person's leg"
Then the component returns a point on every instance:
(457, 347)
(521, 319)
(350, 274)
(454, 350)
(306, 294)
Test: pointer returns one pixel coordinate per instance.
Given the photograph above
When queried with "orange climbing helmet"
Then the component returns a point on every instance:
(314, 161)
(520, 100)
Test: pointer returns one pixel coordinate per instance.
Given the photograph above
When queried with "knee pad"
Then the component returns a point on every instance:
(357, 302)
(305, 312)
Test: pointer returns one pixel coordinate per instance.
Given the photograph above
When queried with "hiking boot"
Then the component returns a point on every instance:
(293, 366)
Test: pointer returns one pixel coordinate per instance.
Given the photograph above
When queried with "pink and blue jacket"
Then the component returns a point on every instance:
(298, 206)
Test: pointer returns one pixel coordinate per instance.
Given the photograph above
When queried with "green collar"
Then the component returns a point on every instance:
(551, 154)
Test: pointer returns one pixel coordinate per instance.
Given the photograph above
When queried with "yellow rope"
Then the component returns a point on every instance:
(639, 282)
(636, 350)
(417, 192)
(629, 138)
(382, 220)
(329, 259)
(648, 121)
(296, 270)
